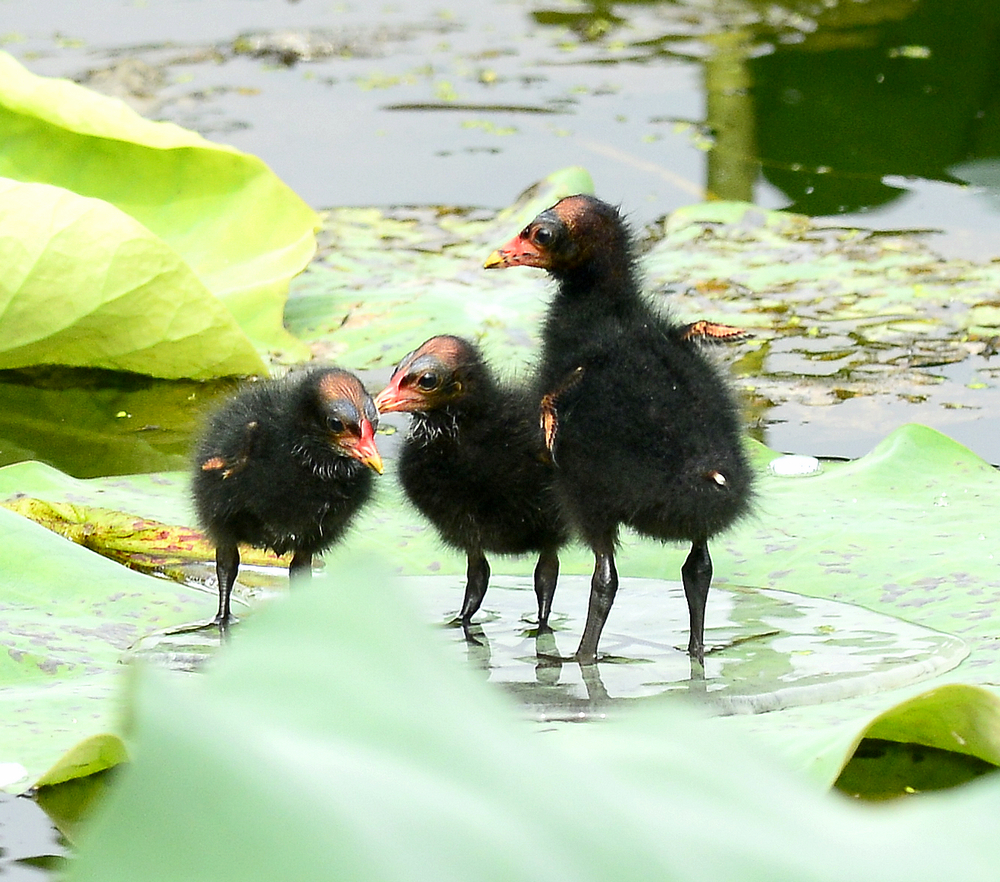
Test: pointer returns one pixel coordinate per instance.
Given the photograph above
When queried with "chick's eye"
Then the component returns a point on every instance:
(335, 424)
(542, 236)
(428, 382)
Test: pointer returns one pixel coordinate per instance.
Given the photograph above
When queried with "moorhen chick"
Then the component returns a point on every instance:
(473, 464)
(643, 428)
(285, 464)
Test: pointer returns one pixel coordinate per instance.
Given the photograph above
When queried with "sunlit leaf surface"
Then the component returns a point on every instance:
(205, 235)
(85, 285)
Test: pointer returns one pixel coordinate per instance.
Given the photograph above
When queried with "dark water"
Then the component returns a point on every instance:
(879, 113)
(30, 847)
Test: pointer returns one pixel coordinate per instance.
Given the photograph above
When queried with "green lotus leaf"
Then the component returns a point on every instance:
(92, 755)
(86, 285)
(240, 231)
(68, 618)
(959, 723)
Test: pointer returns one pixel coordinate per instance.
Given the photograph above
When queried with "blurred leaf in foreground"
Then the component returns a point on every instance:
(335, 741)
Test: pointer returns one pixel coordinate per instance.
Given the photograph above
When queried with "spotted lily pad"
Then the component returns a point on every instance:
(138, 543)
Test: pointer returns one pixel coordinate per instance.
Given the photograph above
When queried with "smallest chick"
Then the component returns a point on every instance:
(284, 465)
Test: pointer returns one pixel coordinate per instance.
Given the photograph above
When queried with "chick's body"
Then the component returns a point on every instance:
(473, 464)
(480, 479)
(285, 465)
(645, 431)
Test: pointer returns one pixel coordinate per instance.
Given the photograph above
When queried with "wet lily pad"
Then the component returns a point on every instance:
(767, 650)
(907, 532)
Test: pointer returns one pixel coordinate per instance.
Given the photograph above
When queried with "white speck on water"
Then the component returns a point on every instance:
(11, 773)
(794, 465)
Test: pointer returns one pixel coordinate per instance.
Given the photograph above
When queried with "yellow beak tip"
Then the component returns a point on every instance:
(494, 260)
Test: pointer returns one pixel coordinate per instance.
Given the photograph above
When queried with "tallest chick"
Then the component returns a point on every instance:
(646, 431)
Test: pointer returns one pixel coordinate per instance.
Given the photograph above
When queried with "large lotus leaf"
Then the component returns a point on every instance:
(162, 496)
(335, 740)
(239, 229)
(86, 285)
(957, 718)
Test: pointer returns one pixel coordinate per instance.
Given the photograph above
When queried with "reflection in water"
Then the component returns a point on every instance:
(90, 423)
(826, 100)
(549, 667)
(769, 649)
(477, 646)
(896, 88)
(733, 165)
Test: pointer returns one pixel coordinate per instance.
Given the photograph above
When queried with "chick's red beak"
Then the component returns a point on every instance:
(517, 252)
(364, 449)
(393, 399)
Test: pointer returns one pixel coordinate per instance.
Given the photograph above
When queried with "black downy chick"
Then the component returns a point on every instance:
(285, 465)
(648, 430)
(473, 464)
